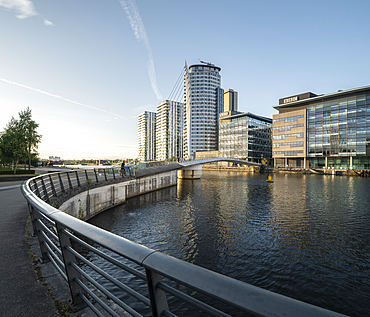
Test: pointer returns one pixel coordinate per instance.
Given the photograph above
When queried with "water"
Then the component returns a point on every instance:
(303, 236)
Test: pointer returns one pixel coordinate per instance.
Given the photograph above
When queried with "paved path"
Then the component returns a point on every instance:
(20, 292)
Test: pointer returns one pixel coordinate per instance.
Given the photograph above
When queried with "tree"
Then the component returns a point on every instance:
(12, 143)
(19, 139)
(29, 128)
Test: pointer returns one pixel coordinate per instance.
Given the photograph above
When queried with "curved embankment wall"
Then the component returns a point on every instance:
(91, 202)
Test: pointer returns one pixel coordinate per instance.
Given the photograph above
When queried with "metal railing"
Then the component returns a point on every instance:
(67, 242)
(49, 186)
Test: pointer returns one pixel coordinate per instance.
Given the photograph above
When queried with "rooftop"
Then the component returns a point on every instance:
(317, 98)
(247, 114)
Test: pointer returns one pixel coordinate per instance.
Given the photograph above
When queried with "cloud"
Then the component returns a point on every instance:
(47, 22)
(24, 8)
(133, 15)
(59, 97)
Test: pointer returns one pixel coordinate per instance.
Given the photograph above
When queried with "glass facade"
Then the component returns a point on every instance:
(245, 137)
(203, 99)
(338, 130)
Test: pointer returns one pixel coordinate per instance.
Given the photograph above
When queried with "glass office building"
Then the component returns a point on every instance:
(335, 130)
(244, 136)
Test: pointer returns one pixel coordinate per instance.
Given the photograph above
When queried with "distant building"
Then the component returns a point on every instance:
(230, 100)
(203, 101)
(170, 130)
(245, 136)
(147, 140)
(54, 158)
(331, 131)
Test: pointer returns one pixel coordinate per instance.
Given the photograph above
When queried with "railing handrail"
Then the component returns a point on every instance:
(243, 296)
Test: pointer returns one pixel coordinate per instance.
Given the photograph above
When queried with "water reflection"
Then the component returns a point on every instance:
(304, 236)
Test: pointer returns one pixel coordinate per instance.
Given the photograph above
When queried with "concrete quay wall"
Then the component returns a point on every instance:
(89, 203)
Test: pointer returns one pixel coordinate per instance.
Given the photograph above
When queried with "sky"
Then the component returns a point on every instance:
(88, 68)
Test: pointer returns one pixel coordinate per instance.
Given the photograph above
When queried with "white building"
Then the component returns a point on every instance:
(147, 125)
(203, 101)
(169, 130)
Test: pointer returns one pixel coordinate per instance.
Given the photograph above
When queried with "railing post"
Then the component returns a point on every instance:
(44, 189)
(96, 176)
(87, 177)
(158, 300)
(69, 181)
(105, 175)
(78, 180)
(71, 273)
(114, 176)
(52, 186)
(61, 183)
(37, 228)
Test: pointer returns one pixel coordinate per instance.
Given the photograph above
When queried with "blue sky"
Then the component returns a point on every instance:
(87, 69)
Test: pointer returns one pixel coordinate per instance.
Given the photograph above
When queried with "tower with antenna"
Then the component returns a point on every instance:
(203, 98)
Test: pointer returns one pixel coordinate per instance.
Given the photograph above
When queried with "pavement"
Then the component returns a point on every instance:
(21, 293)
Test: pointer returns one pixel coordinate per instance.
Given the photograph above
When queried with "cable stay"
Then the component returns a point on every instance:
(177, 90)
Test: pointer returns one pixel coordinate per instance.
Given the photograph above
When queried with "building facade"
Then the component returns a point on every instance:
(170, 130)
(231, 100)
(245, 136)
(147, 140)
(329, 131)
(202, 104)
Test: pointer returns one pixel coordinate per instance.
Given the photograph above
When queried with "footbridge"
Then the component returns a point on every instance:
(191, 169)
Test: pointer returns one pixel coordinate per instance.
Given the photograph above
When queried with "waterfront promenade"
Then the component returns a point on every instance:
(21, 293)
(13, 187)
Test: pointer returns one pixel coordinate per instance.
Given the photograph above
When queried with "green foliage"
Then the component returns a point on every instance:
(80, 213)
(19, 139)
(8, 171)
(88, 181)
(32, 255)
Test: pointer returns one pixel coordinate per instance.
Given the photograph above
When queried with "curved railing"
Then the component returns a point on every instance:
(65, 241)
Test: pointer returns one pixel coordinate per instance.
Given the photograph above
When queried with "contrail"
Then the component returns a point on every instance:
(59, 97)
(137, 26)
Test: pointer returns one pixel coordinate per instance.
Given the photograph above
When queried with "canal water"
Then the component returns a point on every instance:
(303, 236)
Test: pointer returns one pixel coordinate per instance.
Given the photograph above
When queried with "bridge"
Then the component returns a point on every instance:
(191, 169)
(56, 230)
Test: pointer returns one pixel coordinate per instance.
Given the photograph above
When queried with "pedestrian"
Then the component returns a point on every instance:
(123, 168)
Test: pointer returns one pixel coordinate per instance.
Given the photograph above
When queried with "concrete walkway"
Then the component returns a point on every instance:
(20, 292)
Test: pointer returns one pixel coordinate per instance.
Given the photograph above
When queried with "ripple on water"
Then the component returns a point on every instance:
(304, 236)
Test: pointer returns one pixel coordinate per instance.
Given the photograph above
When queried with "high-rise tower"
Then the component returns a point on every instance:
(203, 101)
(147, 125)
(169, 130)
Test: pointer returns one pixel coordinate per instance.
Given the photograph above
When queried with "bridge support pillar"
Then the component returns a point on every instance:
(191, 172)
